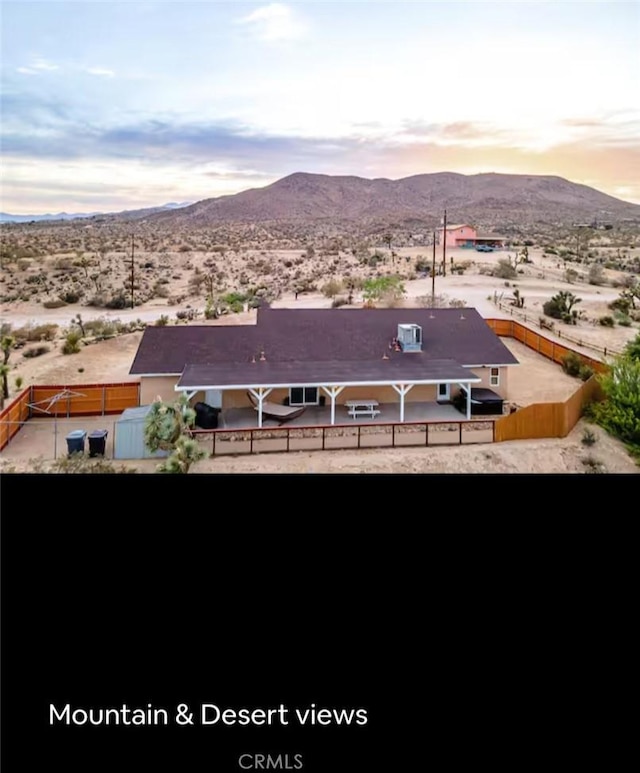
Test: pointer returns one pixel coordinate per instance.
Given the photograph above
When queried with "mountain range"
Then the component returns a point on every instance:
(496, 199)
(5, 217)
(491, 198)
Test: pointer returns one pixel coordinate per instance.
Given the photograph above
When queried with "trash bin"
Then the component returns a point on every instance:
(97, 442)
(75, 441)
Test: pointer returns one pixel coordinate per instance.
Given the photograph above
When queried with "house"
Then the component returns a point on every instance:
(302, 357)
(462, 235)
(465, 235)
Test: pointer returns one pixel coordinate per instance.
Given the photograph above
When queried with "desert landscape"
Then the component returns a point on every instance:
(76, 295)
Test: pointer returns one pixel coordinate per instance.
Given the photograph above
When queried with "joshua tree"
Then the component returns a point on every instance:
(4, 373)
(166, 428)
(6, 344)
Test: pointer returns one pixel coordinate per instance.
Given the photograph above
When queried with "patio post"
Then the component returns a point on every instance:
(468, 402)
(402, 390)
(260, 394)
(333, 392)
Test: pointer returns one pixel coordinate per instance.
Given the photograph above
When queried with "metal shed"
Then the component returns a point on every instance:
(128, 442)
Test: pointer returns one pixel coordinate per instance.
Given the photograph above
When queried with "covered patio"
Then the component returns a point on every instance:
(316, 416)
(326, 388)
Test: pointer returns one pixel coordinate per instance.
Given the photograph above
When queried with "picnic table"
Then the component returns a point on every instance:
(362, 407)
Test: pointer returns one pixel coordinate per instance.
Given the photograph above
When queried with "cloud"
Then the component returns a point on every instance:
(43, 64)
(38, 66)
(274, 22)
(100, 71)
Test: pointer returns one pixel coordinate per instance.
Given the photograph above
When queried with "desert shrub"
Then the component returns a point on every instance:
(72, 343)
(504, 270)
(331, 288)
(607, 321)
(36, 333)
(593, 465)
(234, 297)
(72, 296)
(588, 437)
(571, 364)
(54, 304)
(561, 307)
(585, 373)
(596, 274)
(18, 381)
(36, 351)
(98, 300)
(160, 291)
(162, 321)
(117, 301)
(621, 304)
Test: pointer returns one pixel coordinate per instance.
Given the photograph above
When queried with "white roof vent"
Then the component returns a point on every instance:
(410, 338)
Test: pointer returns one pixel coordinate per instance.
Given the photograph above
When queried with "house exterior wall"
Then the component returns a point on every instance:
(238, 398)
(484, 374)
(458, 237)
(158, 386)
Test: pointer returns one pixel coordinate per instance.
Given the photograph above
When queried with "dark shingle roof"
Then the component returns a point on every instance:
(410, 368)
(322, 335)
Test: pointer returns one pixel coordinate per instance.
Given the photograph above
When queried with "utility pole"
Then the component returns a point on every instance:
(444, 244)
(433, 272)
(132, 268)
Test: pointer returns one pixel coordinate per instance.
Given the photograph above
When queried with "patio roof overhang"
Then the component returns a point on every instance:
(412, 370)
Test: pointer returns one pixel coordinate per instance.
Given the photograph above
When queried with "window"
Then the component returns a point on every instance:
(303, 396)
(494, 378)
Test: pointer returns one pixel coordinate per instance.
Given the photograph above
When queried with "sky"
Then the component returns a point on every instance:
(109, 105)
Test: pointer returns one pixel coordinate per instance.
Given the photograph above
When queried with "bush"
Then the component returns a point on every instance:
(593, 465)
(36, 333)
(571, 364)
(117, 301)
(36, 351)
(588, 437)
(607, 321)
(72, 342)
(54, 304)
(337, 302)
(504, 270)
(585, 373)
(331, 288)
(71, 296)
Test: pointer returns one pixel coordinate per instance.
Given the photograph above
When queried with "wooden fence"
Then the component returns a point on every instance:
(541, 344)
(542, 420)
(87, 399)
(607, 351)
(83, 400)
(13, 415)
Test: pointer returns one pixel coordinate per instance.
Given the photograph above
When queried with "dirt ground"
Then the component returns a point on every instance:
(566, 455)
